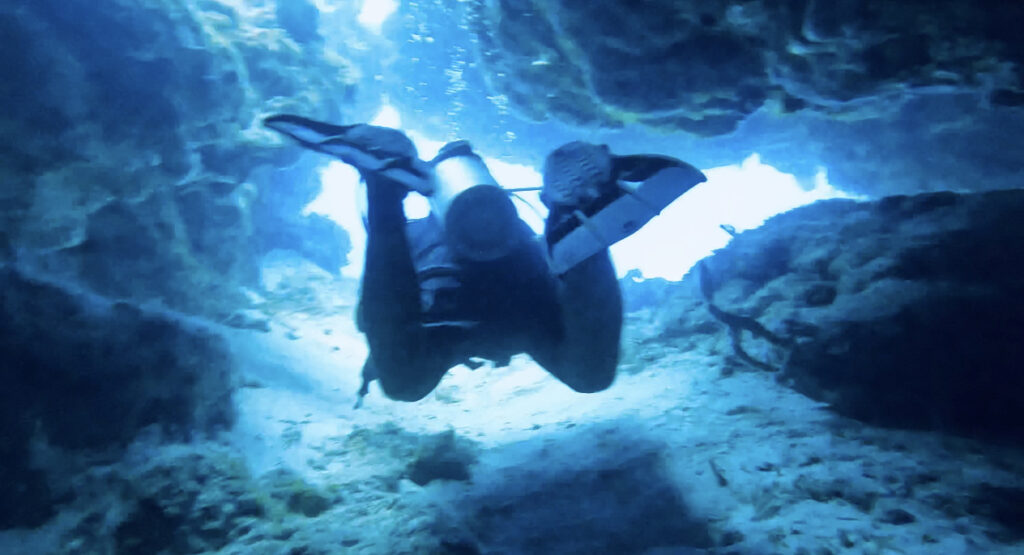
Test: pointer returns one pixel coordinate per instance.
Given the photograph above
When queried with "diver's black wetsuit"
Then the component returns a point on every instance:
(423, 311)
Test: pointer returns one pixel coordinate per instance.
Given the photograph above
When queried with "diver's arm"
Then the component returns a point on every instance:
(409, 359)
(586, 356)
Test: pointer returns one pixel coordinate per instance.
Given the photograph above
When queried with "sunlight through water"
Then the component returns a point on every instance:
(375, 13)
(742, 196)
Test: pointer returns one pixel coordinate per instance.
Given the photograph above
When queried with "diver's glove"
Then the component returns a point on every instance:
(596, 199)
(369, 148)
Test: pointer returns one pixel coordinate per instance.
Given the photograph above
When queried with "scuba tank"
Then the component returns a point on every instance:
(603, 198)
(479, 220)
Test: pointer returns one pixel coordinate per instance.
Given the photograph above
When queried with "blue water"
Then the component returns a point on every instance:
(808, 364)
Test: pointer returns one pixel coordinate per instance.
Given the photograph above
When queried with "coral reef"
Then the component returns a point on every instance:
(872, 91)
(142, 199)
(703, 67)
(441, 457)
(189, 500)
(902, 312)
(137, 141)
(87, 375)
(611, 498)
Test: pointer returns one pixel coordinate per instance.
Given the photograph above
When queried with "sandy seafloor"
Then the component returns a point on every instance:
(750, 466)
(744, 453)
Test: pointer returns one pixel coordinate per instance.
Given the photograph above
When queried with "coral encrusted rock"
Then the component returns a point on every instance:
(703, 66)
(889, 97)
(135, 150)
(904, 312)
(86, 375)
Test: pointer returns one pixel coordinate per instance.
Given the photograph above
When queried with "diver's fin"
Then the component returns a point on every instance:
(367, 147)
(305, 130)
(368, 374)
(640, 167)
(378, 145)
(626, 214)
(414, 174)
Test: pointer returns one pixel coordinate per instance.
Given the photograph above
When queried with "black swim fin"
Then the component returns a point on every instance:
(662, 180)
(369, 148)
(305, 130)
(640, 167)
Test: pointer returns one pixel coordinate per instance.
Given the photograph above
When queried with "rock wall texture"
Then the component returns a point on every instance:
(872, 90)
(136, 160)
(83, 375)
(134, 172)
(189, 500)
(905, 312)
(703, 66)
(623, 505)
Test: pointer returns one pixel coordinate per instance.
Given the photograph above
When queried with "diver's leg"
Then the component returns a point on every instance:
(408, 365)
(390, 292)
(586, 355)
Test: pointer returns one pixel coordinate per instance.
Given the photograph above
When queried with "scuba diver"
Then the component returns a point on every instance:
(471, 280)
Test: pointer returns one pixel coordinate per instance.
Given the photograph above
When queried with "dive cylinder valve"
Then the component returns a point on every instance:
(479, 220)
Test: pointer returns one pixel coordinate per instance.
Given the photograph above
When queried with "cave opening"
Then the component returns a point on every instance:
(736, 198)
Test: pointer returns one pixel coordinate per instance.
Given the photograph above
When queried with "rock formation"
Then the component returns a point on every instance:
(904, 312)
(136, 165)
(84, 375)
(890, 98)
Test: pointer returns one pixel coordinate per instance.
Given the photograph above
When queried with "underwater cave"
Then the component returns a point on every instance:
(734, 277)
